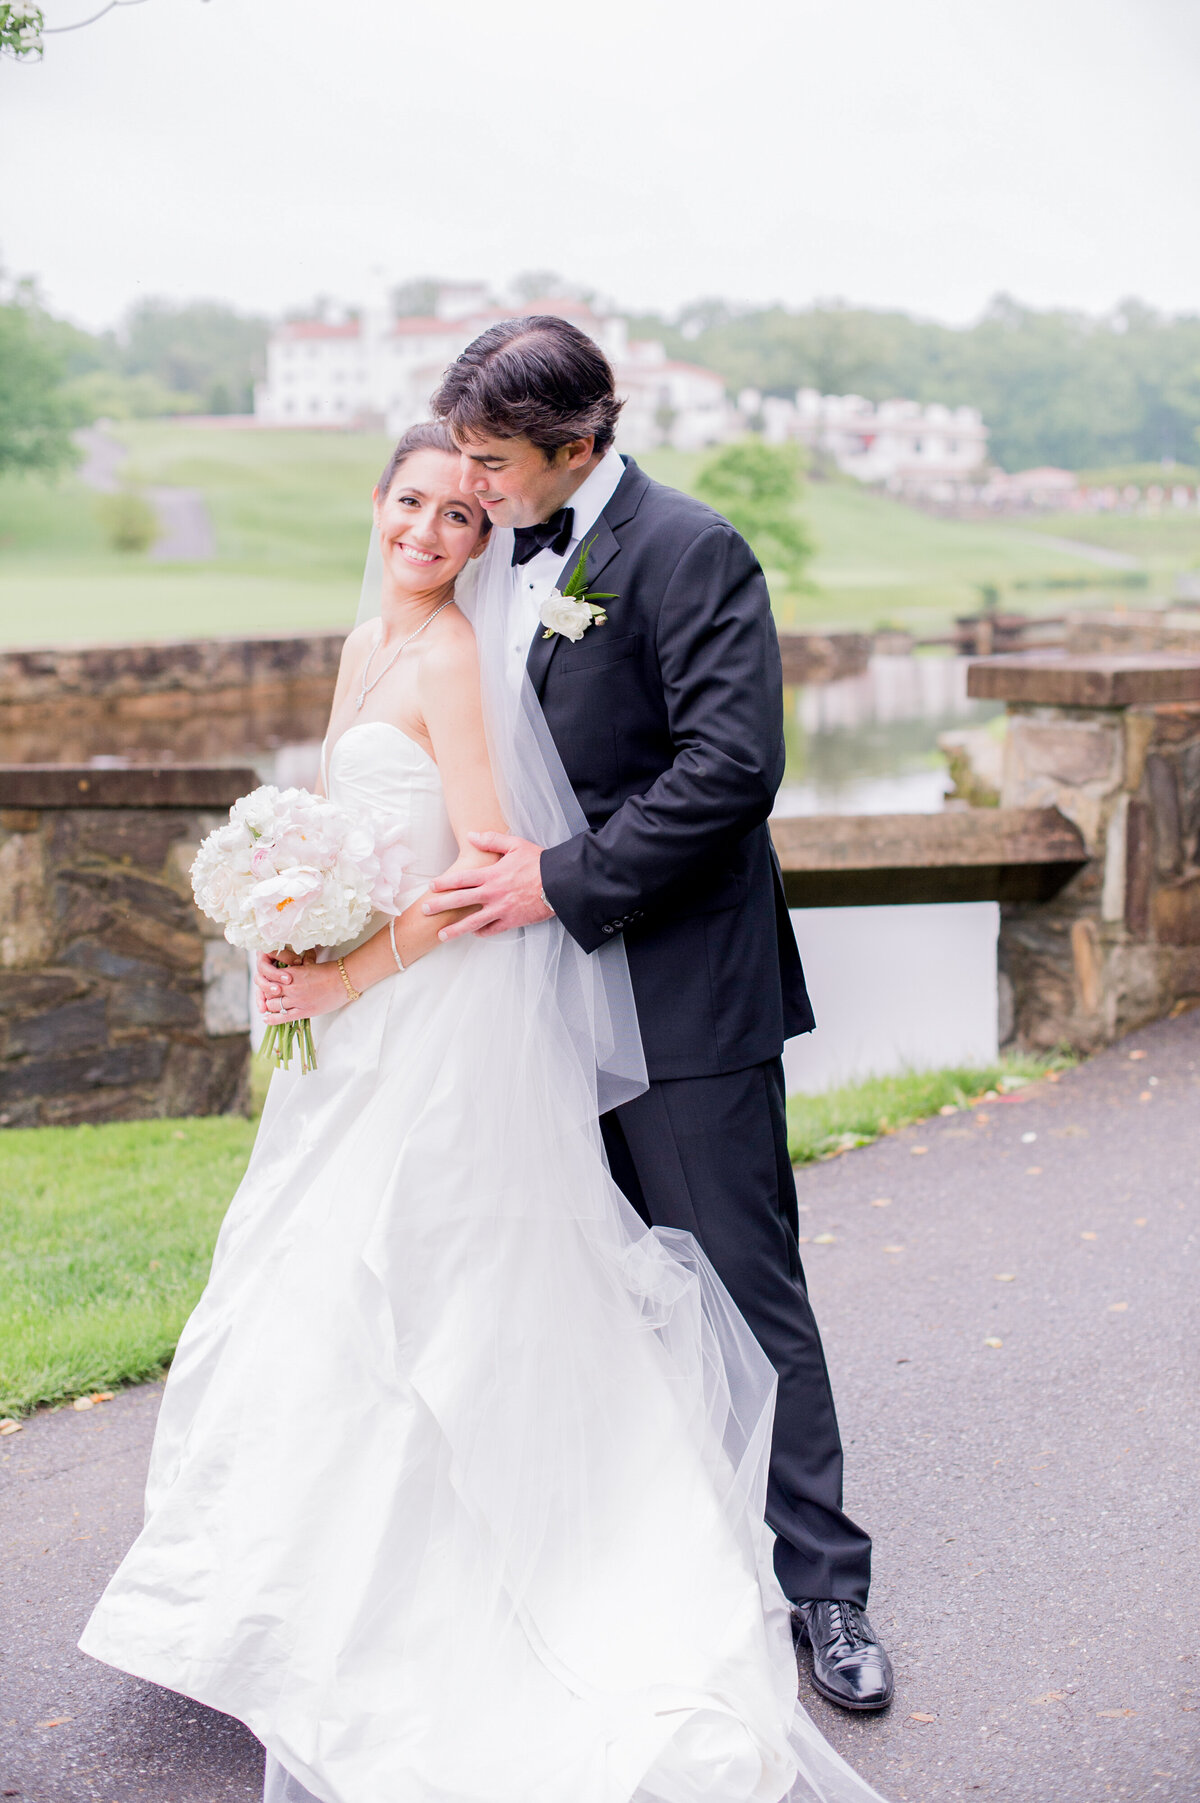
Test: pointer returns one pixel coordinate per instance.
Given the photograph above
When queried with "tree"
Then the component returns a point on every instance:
(1054, 387)
(106, 394)
(416, 299)
(22, 27)
(757, 487)
(21, 30)
(539, 284)
(202, 348)
(35, 418)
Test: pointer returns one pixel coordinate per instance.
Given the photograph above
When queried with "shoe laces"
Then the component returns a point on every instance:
(846, 1619)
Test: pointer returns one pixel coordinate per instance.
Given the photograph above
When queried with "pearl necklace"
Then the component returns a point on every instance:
(366, 687)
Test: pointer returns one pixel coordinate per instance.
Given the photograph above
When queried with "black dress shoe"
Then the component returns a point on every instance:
(849, 1665)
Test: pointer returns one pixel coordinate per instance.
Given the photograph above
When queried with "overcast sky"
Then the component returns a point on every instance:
(913, 153)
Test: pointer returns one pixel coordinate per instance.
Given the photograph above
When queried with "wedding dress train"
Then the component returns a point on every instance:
(457, 1489)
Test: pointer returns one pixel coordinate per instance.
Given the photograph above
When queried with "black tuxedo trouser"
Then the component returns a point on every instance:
(709, 1154)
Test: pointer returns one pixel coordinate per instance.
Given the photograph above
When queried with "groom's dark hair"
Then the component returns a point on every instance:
(539, 378)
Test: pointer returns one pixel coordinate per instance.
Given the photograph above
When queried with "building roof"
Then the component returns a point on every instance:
(1046, 477)
(562, 308)
(425, 326)
(689, 369)
(319, 328)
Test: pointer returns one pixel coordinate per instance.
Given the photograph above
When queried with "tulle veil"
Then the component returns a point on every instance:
(592, 995)
(581, 1010)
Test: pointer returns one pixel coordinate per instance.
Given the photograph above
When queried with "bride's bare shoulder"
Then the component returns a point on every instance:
(358, 639)
(451, 654)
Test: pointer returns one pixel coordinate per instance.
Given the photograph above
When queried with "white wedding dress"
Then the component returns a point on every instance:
(457, 1489)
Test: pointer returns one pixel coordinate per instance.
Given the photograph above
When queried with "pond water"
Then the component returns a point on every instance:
(892, 988)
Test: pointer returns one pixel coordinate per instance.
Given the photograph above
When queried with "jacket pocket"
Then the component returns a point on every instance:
(601, 653)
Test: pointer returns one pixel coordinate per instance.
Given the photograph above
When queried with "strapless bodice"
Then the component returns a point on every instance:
(377, 767)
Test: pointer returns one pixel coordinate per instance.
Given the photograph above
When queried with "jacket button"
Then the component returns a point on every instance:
(607, 927)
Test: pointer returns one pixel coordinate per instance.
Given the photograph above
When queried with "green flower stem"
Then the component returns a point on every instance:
(282, 1040)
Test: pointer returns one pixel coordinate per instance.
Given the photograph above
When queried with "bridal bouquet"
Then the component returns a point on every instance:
(293, 871)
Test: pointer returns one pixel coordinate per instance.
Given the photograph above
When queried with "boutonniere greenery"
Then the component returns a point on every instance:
(573, 608)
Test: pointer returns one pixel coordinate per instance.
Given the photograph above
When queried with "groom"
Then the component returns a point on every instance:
(667, 714)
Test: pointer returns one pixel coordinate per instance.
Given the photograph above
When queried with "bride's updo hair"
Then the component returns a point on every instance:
(427, 435)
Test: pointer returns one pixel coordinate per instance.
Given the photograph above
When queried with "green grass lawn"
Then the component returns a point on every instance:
(106, 1232)
(837, 1120)
(291, 513)
(1163, 543)
(105, 1239)
(879, 562)
(291, 516)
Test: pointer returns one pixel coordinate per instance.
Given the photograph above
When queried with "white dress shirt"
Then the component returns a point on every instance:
(533, 581)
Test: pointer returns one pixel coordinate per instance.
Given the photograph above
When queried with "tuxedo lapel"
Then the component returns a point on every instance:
(604, 545)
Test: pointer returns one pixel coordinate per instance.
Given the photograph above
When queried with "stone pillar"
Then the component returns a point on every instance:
(118, 999)
(1114, 743)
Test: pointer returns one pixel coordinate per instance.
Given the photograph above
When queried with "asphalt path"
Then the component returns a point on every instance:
(1010, 1311)
(185, 527)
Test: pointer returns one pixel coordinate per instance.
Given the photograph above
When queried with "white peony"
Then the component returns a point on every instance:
(571, 618)
(292, 869)
(215, 888)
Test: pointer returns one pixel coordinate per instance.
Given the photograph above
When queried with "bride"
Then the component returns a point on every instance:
(457, 1490)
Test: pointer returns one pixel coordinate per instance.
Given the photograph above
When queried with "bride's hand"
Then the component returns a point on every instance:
(311, 989)
(273, 976)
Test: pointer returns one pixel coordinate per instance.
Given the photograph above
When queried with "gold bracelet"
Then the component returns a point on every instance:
(354, 994)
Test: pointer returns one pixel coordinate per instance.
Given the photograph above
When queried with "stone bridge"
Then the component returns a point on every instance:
(118, 1000)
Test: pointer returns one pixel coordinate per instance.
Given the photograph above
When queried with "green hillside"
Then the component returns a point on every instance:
(291, 517)
(879, 562)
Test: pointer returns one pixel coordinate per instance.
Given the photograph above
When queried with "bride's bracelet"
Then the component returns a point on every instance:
(354, 994)
(400, 965)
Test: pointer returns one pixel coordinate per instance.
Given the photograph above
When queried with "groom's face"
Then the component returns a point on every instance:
(519, 484)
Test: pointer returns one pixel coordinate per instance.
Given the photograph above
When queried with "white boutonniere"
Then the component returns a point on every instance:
(573, 608)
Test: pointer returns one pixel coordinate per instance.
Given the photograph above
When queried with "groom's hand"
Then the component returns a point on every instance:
(505, 894)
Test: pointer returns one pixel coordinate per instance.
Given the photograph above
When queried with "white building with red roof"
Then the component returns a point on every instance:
(375, 370)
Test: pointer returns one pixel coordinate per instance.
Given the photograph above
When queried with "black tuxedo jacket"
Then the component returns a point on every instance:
(669, 722)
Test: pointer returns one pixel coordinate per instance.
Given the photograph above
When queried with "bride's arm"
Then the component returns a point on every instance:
(452, 714)
(349, 667)
(267, 965)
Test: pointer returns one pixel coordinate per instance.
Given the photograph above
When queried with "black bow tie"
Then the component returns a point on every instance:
(554, 534)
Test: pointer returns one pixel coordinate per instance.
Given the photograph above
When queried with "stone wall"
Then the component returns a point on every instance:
(118, 1000)
(1120, 944)
(1134, 629)
(106, 672)
(205, 700)
(186, 699)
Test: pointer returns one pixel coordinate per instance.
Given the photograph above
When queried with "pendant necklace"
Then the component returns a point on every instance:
(366, 687)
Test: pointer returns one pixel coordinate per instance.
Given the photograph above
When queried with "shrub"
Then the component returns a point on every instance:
(129, 521)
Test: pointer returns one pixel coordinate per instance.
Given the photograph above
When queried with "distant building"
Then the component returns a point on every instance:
(376, 370)
(1040, 489)
(1050, 490)
(915, 450)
